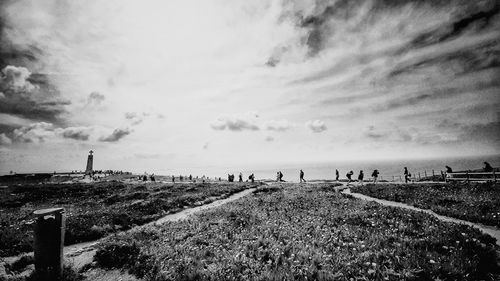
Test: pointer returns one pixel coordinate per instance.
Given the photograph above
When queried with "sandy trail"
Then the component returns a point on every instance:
(490, 230)
(78, 255)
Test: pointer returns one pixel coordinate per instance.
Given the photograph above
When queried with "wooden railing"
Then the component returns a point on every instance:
(472, 176)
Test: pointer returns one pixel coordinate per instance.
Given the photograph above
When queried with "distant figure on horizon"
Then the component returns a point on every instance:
(144, 178)
(360, 177)
(448, 169)
(251, 178)
(190, 177)
(337, 175)
(280, 176)
(375, 176)
(240, 177)
(407, 175)
(487, 167)
(349, 175)
(302, 176)
(152, 177)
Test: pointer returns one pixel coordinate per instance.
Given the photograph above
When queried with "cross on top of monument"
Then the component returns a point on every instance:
(90, 152)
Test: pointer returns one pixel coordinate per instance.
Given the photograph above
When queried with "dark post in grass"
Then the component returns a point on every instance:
(467, 173)
(49, 243)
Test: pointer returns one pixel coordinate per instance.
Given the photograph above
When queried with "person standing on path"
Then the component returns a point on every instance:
(349, 175)
(375, 175)
(337, 175)
(302, 176)
(251, 178)
(360, 177)
(407, 175)
(240, 177)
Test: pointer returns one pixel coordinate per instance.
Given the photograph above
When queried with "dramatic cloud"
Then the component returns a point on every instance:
(76, 133)
(317, 126)
(241, 122)
(22, 98)
(278, 125)
(34, 133)
(116, 135)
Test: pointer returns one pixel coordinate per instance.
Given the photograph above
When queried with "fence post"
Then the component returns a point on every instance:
(467, 176)
(425, 173)
(392, 178)
(49, 243)
(432, 173)
(401, 180)
(418, 175)
(494, 177)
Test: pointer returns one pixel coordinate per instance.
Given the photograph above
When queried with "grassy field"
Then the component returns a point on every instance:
(304, 232)
(475, 202)
(95, 210)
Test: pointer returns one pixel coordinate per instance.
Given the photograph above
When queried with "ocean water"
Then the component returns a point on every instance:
(387, 169)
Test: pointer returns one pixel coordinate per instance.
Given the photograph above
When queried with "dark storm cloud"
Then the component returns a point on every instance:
(481, 57)
(321, 23)
(27, 93)
(13, 54)
(32, 99)
(476, 21)
(116, 135)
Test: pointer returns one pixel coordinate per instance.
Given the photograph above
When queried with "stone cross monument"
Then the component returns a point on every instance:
(90, 161)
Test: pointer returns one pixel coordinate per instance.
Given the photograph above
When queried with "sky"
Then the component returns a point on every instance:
(178, 85)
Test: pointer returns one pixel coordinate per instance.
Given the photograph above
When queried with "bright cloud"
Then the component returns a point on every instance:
(317, 126)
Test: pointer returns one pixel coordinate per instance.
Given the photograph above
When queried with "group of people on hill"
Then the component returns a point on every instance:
(230, 178)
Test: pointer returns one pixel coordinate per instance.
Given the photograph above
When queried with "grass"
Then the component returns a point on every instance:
(299, 232)
(96, 210)
(475, 202)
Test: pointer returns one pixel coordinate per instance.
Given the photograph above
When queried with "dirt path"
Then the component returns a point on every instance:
(78, 255)
(490, 230)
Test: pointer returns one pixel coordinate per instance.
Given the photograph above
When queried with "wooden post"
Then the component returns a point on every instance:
(432, 173)
(392, 178)
(49, 243)
(401, 180)
(494, 177)
(418, 175)
(425, 173)
(467, 176)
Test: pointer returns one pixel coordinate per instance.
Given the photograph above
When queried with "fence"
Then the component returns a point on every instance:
(472, 176)
(432, 175)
